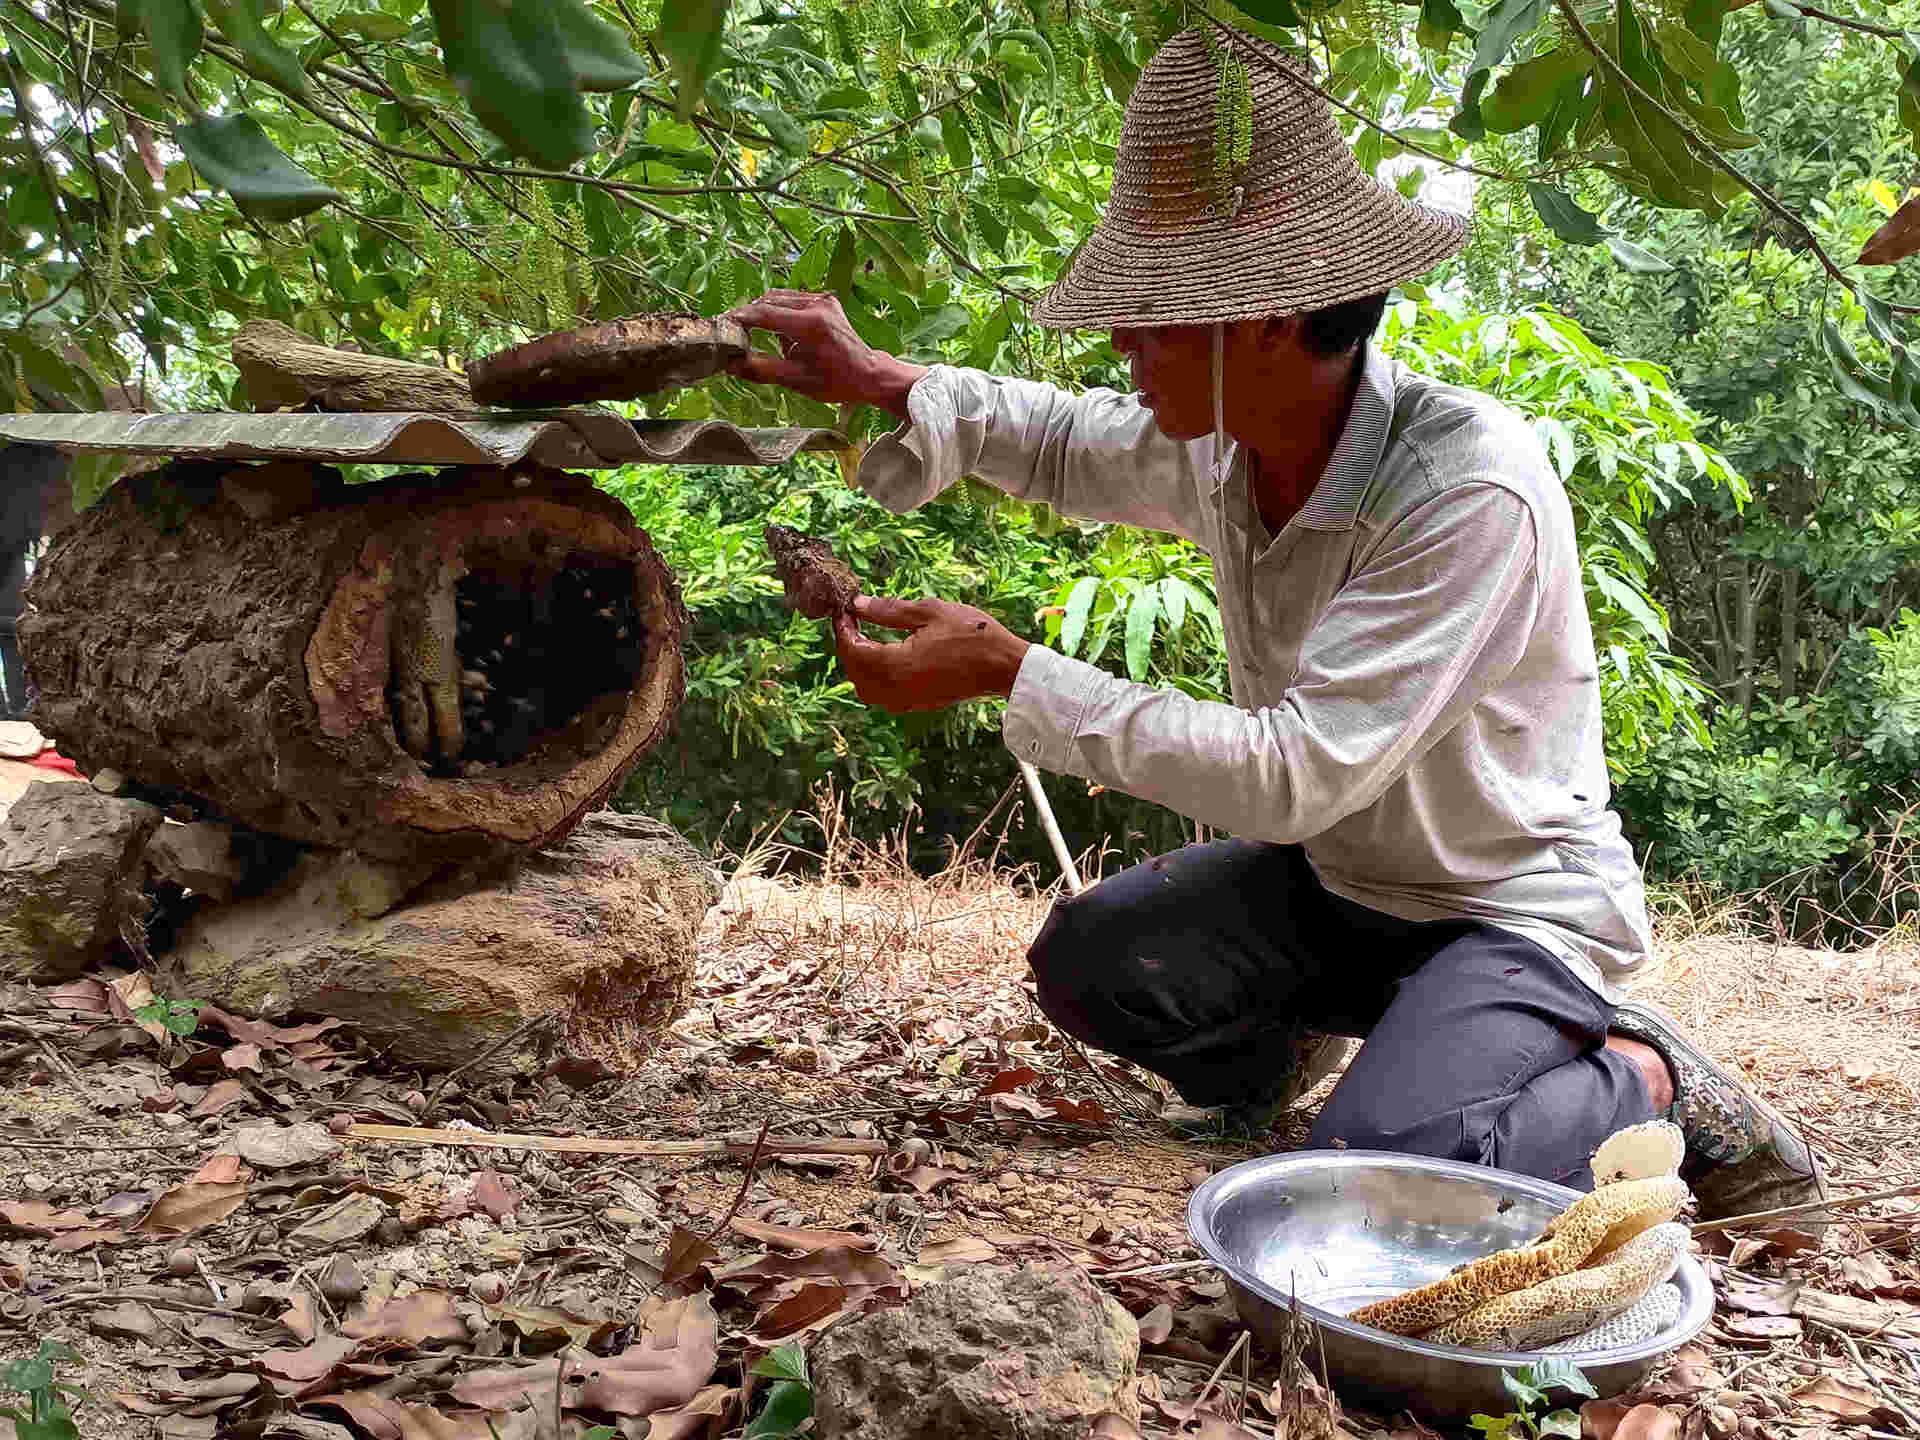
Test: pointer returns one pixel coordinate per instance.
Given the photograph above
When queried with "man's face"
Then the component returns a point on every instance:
(1173, 371)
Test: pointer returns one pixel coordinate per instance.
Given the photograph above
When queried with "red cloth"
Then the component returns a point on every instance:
(54, 760)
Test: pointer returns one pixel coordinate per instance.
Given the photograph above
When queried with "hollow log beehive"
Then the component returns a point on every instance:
(434, 666)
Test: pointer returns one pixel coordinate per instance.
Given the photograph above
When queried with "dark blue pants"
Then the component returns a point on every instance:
(1209, 964)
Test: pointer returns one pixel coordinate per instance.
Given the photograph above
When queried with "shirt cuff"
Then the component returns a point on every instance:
(1049, 696)
(909, 466)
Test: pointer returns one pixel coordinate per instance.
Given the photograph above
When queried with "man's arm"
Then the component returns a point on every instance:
(1098, 455)
(1436, 618)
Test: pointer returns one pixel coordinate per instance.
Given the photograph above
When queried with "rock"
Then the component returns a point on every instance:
(340, 1280)
(197, 857)
(108, 781)
(69, 861)
(341, 1223)
(276, 1147)
(999, 1354)
(599, 932)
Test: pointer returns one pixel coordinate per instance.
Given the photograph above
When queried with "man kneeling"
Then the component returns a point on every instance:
(1413, 757)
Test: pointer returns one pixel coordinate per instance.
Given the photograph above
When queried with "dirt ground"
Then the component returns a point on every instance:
(200, 1273)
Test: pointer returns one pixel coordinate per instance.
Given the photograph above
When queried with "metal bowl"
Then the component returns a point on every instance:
(1341, 1228)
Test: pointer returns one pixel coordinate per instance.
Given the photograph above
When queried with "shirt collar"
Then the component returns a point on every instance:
(1335, 501)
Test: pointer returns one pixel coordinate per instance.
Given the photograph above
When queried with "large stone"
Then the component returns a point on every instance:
(598, 933)
(997, 1354)
(69, 878)
(199, 857)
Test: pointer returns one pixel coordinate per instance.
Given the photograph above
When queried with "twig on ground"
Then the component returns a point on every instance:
(740, 1195)
(1873, 1376)
(1812, 1207)
(518, 1031)
(1176, 1267)
(1206, 1390)
(610, 1145)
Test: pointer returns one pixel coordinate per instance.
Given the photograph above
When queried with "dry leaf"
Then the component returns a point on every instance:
(1745, 1251)
(1648, 1422)
(309, 1362)
(221, 1168)
(1008, 1105)
(534, 1321)
(1760, 1299)
(36, 1217)
(71, 1240)
(1762, 1327)
(127, 1320)
(1214, 1427)
(279, 1147)
(927, 1178)
(192, 1206)
(1113, 1427)
(1599, 1419)
(241, 1057)
(1897, 239)
(424, 1316)
(1156, 1325)
(671, 1359)
(84, 997)
(1868, 1273)
(807, 1306)
(342, 1222)
(1081, 1112)
(1009, 1080)
(757, 1273)
(695, 1417)
(259, 1032)
(961, 1250)
(685, 1253)
(1845, 1401)
(801, 1238)
(495, 1194)
(219, 1096)
(298, 1316)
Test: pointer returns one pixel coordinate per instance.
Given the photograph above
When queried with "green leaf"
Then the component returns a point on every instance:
(1525, 1394)
(1557, 1372)
(242, 23)
(234, 154)
(596, 52)
(789, 1406)
(1506, 23)
(809, 272)
(1073, 627)
(1142, 614)
(1635, 258)
(1527, 93)
(1269, 12)
(1910, 99)
(943, 322)
(840, 268)
(1440, 21)
(506, 58)
(1781, 10)
(1173, 599)
(56, 378)
(690, 34)
(370, 25)
(175, 33)
(1857, 382)
(1494, 1427)
(786, 132)
(989, 338)
(1636, 605)
(1563, 215)
(1562, 1423)
(787, 1362)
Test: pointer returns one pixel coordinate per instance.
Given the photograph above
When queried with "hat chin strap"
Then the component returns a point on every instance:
(1219, 404)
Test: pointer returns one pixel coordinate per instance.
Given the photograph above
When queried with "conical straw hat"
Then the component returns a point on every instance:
(1298, 227)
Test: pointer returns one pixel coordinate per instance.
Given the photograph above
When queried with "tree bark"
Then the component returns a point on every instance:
(1789, 661)
(283, 369)
(257, 637)
(1746, 614)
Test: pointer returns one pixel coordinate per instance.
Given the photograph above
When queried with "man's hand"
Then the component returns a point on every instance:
(952, 653)
(821, 356)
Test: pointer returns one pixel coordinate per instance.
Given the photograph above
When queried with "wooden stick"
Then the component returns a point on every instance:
(1812, 1207)
(741, 1144)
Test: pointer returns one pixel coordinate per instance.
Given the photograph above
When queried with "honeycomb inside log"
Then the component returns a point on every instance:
(541, 634)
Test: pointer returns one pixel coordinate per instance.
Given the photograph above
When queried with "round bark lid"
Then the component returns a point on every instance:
(635, 355)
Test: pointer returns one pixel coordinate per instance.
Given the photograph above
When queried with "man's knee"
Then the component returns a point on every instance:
(1081, 962)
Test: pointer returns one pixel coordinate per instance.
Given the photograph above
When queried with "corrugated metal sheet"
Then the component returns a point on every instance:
(567, 439)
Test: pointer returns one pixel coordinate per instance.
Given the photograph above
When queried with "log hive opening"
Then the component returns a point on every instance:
(429, 667)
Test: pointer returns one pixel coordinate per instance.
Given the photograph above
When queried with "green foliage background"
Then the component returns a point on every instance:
(1667, 192)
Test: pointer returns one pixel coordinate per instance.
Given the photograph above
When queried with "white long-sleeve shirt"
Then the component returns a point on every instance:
(1416, 698)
